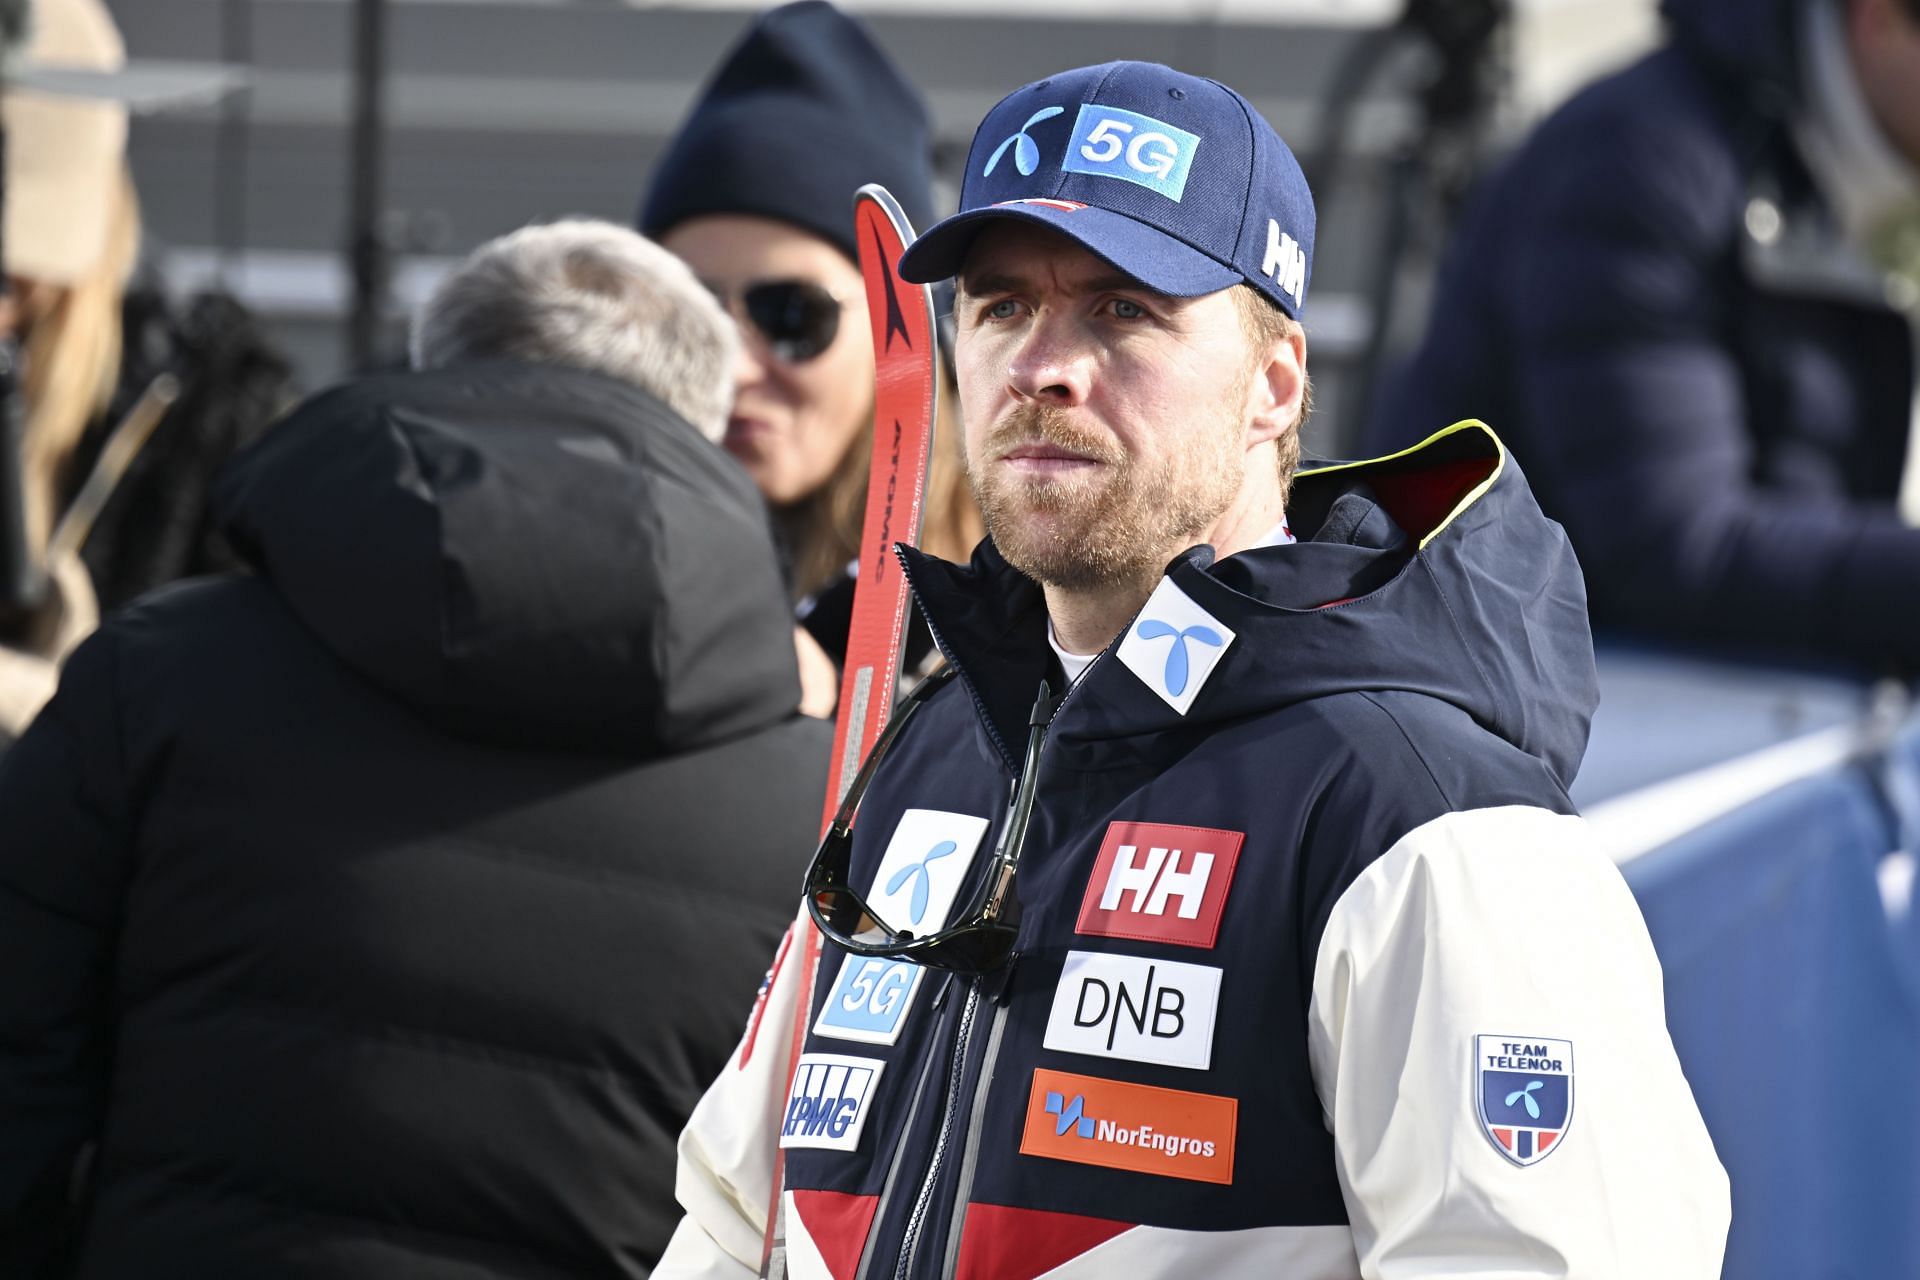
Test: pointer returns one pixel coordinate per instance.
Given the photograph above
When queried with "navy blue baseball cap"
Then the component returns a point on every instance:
(1174, 179)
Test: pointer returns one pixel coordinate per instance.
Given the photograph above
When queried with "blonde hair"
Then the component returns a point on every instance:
(71, 341)
(823, 529)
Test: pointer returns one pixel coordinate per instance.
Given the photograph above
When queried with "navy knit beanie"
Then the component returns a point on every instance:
(804, 111)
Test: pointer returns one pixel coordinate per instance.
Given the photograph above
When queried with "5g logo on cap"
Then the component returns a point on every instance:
(1111, 143)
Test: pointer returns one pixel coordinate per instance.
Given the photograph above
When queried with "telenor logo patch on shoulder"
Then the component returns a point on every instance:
(1174, 646)
(1168, 1132)
(1524, 1091)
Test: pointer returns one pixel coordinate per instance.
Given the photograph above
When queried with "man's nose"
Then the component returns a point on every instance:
(1053, 365)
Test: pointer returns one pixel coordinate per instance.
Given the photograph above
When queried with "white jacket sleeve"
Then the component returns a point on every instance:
(1489, 1041)
(724, 1179)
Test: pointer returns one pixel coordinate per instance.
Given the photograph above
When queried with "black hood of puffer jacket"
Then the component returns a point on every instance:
(1432, 571)
(524, 554)
(1750, 42)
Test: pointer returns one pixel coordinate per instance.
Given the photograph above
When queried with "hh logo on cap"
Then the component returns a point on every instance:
(869, 1000)
(1110, 143)
(1286, 261)
(1174, 646)
(1525, 1093)
(1169, 1132)
(1156, 883)
(1130, 1007)
(831, 1097)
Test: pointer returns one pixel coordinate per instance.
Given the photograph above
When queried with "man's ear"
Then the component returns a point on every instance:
(1279, 386)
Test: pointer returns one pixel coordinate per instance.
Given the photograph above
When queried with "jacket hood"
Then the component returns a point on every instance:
(524, 554)
(1431, 571)
(1749, 41)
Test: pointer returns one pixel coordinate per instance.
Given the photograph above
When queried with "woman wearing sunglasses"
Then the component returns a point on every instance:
(756, 193)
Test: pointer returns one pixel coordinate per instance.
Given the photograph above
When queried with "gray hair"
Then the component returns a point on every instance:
(589, 295)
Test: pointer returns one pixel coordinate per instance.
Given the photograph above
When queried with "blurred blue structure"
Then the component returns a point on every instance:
(1792, 964)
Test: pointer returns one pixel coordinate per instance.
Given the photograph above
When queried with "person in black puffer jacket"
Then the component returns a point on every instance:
(383, 914)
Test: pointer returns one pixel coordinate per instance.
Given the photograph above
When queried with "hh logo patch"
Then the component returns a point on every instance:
(1174, 646)
(1168, 1132)
(1112, 143)
(1130, 1007)
(869, 1000)
(1157, 883)
(831, 1097)
(925, 864)
(1524, 1088)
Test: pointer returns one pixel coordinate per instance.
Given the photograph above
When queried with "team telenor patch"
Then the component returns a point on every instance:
(1112, 143)
(831, 1099)
(1524, 1091)
(1130, 1007)
(1167, 1132)
(1174, 646)
(870, 1000)
(1158, 883)
(925, 864)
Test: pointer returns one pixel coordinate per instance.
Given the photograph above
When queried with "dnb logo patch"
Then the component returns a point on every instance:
(1111, 143)
(870, 1000)
(1174, 645)
(1130, 1007)
(1158, 883)
(1168, 1132)
(924, 866)
(1524, 1090)
(832, 1095)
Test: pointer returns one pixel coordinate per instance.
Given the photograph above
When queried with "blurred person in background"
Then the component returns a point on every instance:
(756, 193)
(1689, 303)
(384, 913)
(102, 348)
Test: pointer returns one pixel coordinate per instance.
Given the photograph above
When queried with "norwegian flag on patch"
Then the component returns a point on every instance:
(1524, 1094)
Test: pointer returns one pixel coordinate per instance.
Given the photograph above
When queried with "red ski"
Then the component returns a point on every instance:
(905, 364)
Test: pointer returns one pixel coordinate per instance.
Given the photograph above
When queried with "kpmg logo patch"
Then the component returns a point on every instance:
(870, 1000)
(1112, 1006)
(1168, 1132)
(1158, 883)
(1110, 143)
(1174, 646)
(831, 1098)
(924, 866)
(1524, 1089)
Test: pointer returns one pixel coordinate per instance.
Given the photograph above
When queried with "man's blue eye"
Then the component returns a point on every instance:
(1128, 310)
(1002, 310)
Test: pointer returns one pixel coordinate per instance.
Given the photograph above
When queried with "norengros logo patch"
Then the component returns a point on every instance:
(1138, 1127)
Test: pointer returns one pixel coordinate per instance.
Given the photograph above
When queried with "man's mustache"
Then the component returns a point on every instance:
(1031, 424)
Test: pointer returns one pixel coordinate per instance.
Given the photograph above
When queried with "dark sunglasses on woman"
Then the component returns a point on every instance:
(798, 318)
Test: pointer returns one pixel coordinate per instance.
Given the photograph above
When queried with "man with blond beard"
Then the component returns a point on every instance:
(1222, 912)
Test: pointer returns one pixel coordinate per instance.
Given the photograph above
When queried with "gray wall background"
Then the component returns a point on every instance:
(509, 111)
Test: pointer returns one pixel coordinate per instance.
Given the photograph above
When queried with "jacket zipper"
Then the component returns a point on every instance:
(910, 1239)
(910, 1242)
(963, 1037)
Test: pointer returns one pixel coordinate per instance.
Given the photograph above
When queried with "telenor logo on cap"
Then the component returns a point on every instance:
(1110, 143)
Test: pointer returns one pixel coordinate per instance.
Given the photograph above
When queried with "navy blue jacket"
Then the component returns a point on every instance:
(1721, 435)
(1301, 843)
